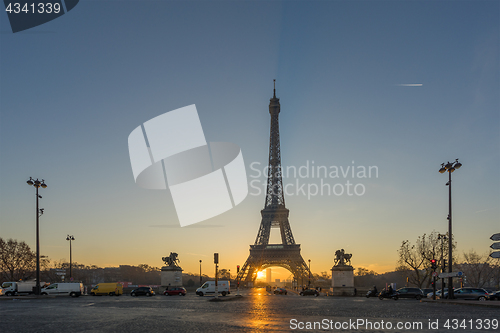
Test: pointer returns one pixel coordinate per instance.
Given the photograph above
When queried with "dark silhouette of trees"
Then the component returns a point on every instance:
(17, 261)
(224, 274)
(414, 260)
(480, 270)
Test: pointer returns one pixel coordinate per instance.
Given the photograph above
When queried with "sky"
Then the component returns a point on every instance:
(401, 86)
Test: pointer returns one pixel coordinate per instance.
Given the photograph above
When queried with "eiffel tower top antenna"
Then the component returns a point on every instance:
(274, 95)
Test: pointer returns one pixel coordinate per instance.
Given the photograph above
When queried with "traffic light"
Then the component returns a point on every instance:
(433, 264)
(216, 258)
(444, 263)
(238, 268)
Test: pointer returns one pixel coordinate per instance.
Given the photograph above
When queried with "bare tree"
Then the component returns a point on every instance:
(414, 260)
(479, 269)
(17, 261)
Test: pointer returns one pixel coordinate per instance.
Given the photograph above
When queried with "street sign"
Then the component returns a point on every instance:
(452, 274)
(495, 254)
(435, 274)
(60, 273)
(495, 246)
(495, 237)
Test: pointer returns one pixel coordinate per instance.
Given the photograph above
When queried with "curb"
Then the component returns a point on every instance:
(490, 304)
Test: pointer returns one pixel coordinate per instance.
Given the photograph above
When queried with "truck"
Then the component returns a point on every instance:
(110, 289)
(209, 288)
(73, 289)
(20, 287)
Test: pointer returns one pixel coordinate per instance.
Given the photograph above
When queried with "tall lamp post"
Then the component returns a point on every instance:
(450, 167)
(200, 272)
(39, 212)
(309, 282)
(70, 238)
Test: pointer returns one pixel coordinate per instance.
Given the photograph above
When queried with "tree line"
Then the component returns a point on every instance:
(18, 262)
(479, 269)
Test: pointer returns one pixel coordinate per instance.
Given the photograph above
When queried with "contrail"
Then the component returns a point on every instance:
(484, 210)
(410, 84)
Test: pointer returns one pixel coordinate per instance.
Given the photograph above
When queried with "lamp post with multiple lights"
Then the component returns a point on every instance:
(39, 212)
(450, 167)
(70, 238)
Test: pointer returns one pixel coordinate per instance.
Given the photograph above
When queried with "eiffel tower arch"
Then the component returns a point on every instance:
(274, 215)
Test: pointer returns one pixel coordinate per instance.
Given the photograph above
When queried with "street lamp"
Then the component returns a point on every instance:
(70, 238)
(39, 212)
(450, 167)
(309, 282)
(200, 272)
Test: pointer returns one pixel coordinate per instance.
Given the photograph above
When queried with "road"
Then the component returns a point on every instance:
(256, 311)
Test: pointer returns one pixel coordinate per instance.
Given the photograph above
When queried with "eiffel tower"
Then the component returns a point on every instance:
(274, 215)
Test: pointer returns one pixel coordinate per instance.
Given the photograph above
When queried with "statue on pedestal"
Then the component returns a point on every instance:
(171, 260)
(342, 275)
(171, 273)
(342, 258)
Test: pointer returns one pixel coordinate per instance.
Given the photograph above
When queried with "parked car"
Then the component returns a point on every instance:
(494, 296)
(280, 291)
(469, 293)
(427, 290)
(307, 292)
(141, 291)
(175, 291)
(438, 293)
(410, 293)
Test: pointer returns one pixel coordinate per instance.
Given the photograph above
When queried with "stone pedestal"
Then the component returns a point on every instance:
(171, 276)
(342, 281)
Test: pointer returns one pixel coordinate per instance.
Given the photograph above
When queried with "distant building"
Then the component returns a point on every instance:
(268, 275)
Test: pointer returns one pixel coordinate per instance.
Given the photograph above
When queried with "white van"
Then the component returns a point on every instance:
(73, 289)
(209, 288)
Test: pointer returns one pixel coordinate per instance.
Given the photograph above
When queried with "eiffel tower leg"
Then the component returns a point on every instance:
(243, 270)
(250, 276)
(247, 272)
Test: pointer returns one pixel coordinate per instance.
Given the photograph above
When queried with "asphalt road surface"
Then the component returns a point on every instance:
(256, 311)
